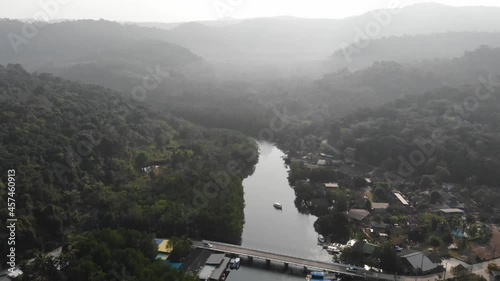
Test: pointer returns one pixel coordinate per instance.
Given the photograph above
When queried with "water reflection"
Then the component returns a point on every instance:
(281, 231)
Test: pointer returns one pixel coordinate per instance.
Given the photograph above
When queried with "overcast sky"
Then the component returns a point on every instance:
(195, 10)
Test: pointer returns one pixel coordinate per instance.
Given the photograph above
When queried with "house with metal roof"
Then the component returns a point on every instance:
(380, 227)
(449, 213)
(419, 262)
(379, 207)
(368, 249)
(214, 267)
(219, 270)
(401, 199)
(321, 162)
(331, 185)
(358, 214)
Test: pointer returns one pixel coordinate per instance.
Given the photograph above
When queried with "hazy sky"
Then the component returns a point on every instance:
(192, 10)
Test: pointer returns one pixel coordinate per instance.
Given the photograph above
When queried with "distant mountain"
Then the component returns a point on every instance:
(298, 39)
(170, 25)
(344, 91)
(411, 49)
(267, 47)
(106, 53)
(73, 42)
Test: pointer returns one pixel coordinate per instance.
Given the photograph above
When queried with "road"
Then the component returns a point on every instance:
(273, 257)
(478, 268)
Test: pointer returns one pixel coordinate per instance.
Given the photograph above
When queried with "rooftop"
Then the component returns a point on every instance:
(447, 196)
(401, 199)
(331, 185)
(321, 162)
(215, 259)
(434, 258)
(366, 248)
(420, 260)
(379, 225)
(164, 246)
(217, 273)
(358, 214)
(206, 272)
(452, 211)
(380, 205)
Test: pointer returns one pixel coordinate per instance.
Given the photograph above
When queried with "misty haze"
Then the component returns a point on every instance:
(248, 140)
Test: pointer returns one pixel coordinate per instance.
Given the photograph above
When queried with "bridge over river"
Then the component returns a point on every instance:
(296, 261)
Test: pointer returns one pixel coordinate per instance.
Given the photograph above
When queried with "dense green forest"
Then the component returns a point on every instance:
(345, 91)
(119, 133)
(448, 134)
(79, 152)
(309, 108)
(104, 255)
(187, 86)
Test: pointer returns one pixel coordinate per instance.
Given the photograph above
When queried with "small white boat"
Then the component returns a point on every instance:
(321, 239)
(277, 206)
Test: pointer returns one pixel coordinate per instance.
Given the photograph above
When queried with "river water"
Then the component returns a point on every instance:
(280, 231)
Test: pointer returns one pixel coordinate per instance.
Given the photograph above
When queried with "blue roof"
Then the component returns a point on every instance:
(158, 241)
(317, 273)
(176, 265)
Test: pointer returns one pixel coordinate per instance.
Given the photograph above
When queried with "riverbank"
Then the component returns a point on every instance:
(285, 231)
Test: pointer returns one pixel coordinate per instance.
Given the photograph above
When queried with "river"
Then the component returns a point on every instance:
(281, 231)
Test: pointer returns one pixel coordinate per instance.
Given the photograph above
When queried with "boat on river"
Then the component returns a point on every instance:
(321, 239)
(235, 263)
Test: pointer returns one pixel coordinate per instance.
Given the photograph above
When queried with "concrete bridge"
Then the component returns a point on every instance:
(295, 261)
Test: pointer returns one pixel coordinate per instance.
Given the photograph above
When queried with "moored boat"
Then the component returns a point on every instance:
(321, 239)
(278, 206)
(235, 263)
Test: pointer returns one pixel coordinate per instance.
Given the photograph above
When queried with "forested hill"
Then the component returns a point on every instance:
(345, 91)
(97, 52)
(113, 55)
(448, 135)
(79, 152)
(250, 107)
(410, 49)
(286, 39)
(69, 41)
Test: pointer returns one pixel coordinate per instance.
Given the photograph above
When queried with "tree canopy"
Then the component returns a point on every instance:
(89, 158)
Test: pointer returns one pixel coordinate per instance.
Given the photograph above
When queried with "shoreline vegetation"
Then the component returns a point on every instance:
(101, 171)
(90, 159)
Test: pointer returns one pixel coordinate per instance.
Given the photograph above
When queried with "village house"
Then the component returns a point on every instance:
(164, 249)
(331, 185)
(358, 215)
(450, 213)
(379, 207)
(401, 199)
(419, 262)
(366, 248)
(450, 200)
(379, 227)
(214, 267)
(321, 162)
